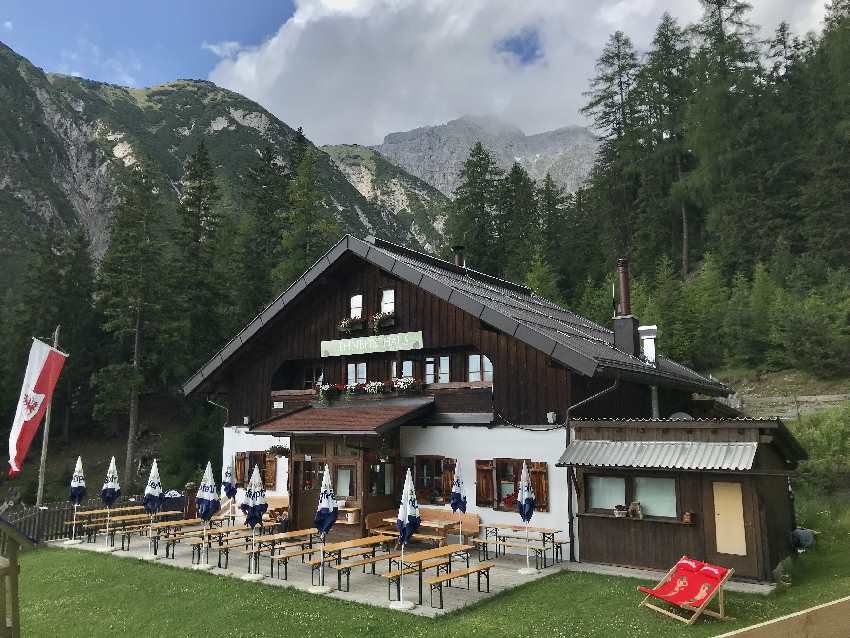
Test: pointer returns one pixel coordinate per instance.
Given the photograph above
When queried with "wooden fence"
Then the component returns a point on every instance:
(48, 523)
(830, 620)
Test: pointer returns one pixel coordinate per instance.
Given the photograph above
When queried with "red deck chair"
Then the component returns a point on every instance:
(690, 585)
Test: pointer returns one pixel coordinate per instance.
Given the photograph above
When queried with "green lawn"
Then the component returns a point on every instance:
(72, 593)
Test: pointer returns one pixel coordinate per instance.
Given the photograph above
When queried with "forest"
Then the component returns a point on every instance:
(723, 176)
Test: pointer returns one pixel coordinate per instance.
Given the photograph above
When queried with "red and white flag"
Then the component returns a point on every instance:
(45, 364)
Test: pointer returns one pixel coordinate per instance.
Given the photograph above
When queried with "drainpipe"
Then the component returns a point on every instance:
(571, 471)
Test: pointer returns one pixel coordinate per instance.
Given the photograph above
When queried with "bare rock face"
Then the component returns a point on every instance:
(435, 154)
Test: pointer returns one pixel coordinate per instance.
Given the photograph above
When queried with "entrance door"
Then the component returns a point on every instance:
(306, 485)
(730, 533)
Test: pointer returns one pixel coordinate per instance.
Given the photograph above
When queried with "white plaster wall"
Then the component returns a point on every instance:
(237, 439)
(468, 444)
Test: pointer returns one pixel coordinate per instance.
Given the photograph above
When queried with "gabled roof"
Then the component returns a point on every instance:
(578, 343)
(372, 418)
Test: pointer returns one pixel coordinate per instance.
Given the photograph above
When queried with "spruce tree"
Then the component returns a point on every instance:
(310, 229)
(517, 223)
(130, 294)
(197, 244)
(471, 216)
(542, 279)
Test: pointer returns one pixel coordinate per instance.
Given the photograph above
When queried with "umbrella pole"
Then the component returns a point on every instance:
(254, 549)
(74, 524)
(150, 536)
(401, 577)
(322, 559)
(107, 527)
(527, 564)
(206, 547)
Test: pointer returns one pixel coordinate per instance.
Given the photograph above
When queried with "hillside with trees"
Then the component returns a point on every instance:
(723, 175)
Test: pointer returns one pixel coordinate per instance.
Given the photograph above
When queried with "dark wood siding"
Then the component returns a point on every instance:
(526, 384)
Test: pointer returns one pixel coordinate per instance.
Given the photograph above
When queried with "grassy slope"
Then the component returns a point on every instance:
(93, 595)
(780, 383)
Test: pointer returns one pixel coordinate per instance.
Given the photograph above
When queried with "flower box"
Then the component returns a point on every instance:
(348, 325)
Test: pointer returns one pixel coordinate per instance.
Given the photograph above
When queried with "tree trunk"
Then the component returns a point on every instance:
(684, 213)
(134, 405)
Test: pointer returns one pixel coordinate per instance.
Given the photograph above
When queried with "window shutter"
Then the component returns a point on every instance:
(449, 466)
(239, 469)
(484, 483)
(538, 472)
(270, 471)
(256, 459)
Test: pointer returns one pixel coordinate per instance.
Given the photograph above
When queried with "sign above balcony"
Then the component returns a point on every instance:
(374, 343)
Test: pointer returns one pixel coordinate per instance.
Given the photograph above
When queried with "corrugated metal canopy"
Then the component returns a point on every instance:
(679, 455)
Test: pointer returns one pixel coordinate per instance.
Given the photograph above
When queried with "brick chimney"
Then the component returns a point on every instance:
(626, 336)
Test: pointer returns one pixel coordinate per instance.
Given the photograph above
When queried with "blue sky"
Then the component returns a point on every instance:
(141, 43)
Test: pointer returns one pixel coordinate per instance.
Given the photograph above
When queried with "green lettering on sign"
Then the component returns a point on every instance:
(375, 343)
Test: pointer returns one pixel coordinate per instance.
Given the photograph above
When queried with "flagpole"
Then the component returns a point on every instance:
(44, 437)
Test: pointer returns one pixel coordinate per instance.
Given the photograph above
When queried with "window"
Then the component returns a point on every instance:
(406, 369)
(480, 368)
(381, 479)
(311, 475)
(341, 448)
(309, 446)
(356, 306)
(313, 376)
(356, 373)
(497, 483)
(437, 369)
(429, 479)
(388, 300)
(657, 496)
(484, 483)
(344, 481)
(605, 492)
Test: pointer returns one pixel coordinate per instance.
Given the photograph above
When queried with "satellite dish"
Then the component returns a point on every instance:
(681, 416)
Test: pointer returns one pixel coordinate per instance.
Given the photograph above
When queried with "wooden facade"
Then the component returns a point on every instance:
(767, 505)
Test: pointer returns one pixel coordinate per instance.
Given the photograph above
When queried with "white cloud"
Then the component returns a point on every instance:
(224, 49)
(89, 60)
(354, 70)
(8, 25)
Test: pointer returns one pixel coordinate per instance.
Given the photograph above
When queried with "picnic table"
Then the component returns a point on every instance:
(269, 541)
(128, 508)
(496, 531)
(415, 560)
(438, 525)
(333, 551)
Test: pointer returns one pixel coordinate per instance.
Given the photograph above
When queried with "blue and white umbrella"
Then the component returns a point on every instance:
(254, 506)
(110, 491)
(76, 494)
(207, 500)
(407, 523)
(525, 504)
(458, 497)
(326, 514)
(207, 503)
(153, 499)
(228, 484)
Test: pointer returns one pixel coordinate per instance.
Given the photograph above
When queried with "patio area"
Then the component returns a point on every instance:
(365, 588)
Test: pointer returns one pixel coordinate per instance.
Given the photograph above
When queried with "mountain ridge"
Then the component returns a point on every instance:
(436, 153)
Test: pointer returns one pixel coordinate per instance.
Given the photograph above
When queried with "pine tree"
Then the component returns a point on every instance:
(542, 279)
(471, 216)
(266, 209)
(517, 223)
(130, 291)
(310, 229)
(197, 244)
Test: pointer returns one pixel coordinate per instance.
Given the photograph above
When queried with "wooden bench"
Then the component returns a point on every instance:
(482, 569)
(284, 559)
(345, 568)
(394, 576)
(539, 550)
(470, 523)
(316, 562)
(439, 541)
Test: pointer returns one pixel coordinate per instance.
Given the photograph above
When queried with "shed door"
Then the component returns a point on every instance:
(731, 538)
(730, 535)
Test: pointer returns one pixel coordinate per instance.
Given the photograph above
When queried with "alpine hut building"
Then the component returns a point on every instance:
(380, 358)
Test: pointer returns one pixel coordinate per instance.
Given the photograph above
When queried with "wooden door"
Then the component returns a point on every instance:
(730, 532)
(304, 496)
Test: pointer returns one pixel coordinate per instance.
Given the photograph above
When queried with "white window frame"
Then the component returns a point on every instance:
(356, 306)
(388, 300)
(356, 373)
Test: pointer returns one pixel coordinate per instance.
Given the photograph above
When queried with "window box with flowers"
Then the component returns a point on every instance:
(348, 325)
(381, 320)
(370, 389)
